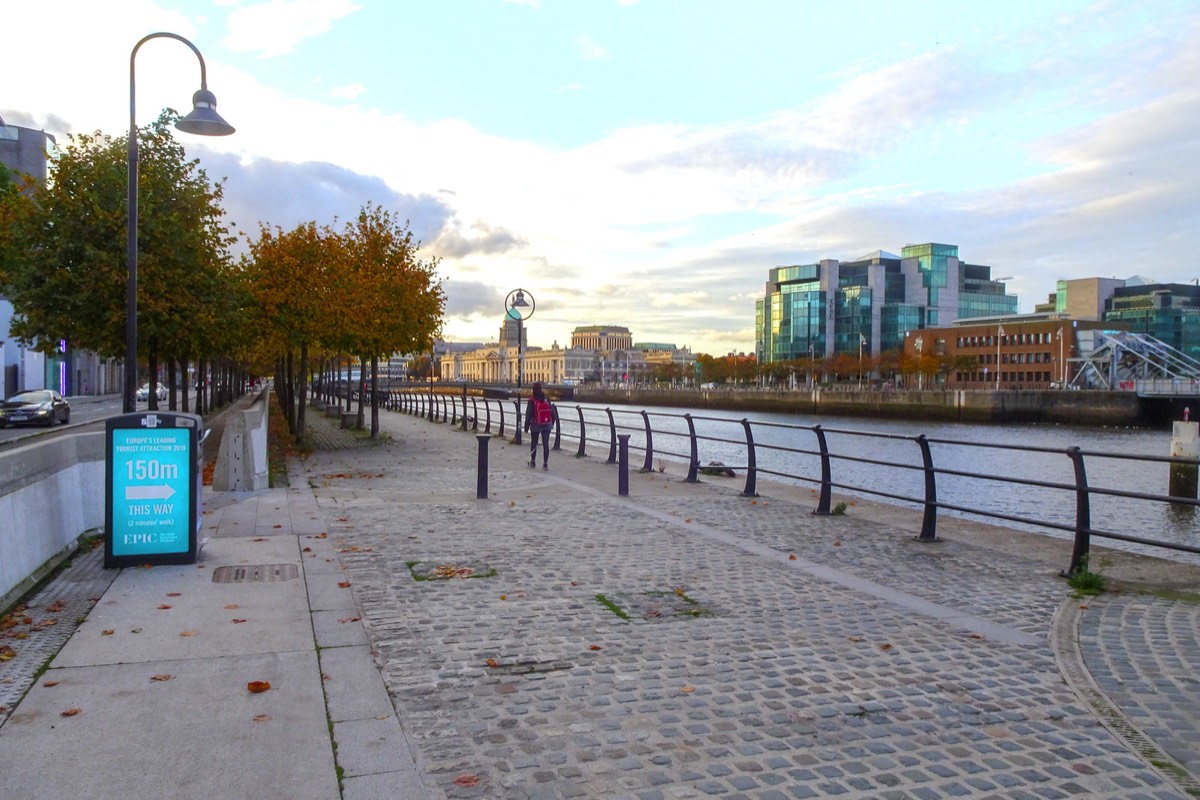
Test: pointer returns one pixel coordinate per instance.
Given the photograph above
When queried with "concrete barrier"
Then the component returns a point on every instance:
(51, 494)
(241, 464)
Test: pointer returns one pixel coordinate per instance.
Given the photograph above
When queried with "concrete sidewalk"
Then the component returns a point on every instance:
(558, 641)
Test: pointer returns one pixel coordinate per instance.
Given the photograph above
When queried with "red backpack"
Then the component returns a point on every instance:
(543, 414)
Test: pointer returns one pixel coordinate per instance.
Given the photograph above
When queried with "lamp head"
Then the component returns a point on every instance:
(520, 302)
(204, 119)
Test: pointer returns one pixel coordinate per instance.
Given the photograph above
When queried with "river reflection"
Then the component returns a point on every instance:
(903, 476)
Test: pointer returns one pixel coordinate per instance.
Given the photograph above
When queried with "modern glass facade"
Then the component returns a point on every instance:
(831, 307)
(1170, 312)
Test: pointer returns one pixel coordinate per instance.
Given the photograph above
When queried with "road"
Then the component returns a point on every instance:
(86, 413)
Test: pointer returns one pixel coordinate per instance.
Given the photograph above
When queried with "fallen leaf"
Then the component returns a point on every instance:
(161, 678)
(307, 550)
(108, 632)
(261, 539)
(277, 525)
(48, 684)
(687, 689)
(233, 605)
(237, 621)
(262, 718)
(885, 646)
(187, 633)
(350, 619)
(792, 557)
(174, 594)
(493, 663)
(856, 638)
(70, 712)
(467, 780)
(595, 647)
(503, 597)
(257, 687)
(164, 606)
(343, 584)
(837, 542)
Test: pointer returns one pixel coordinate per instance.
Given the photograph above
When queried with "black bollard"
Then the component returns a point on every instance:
(623, 464)
(481, 483)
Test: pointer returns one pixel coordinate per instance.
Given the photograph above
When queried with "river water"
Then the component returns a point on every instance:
(1163, 521)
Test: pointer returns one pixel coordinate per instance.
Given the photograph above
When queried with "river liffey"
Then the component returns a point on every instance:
(721, 437)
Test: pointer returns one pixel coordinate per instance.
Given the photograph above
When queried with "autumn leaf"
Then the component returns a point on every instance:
(233, 605)
(277, 526)
(885, 646)
(187, 633)
(164, 607)
(48, 684)
(855, 638)
(161, 678)
(594, 647)
(349, 619)
(687, 689)
(262, 717)
(467, 780)
(343, 584)
(70, 712)
(493, 663)
(237, 621)
(257, 687)
(108, 632)
(174, 594)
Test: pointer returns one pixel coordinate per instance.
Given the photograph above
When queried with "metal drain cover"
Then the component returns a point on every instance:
(256, 573)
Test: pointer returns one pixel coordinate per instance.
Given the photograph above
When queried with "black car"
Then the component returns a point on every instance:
(35, 407)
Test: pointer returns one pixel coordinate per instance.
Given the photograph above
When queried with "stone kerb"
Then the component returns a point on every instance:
(51, 493)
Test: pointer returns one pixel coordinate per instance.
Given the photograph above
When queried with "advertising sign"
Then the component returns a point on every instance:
(152, 488)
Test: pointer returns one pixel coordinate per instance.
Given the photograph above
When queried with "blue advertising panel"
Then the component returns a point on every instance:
(152, 489)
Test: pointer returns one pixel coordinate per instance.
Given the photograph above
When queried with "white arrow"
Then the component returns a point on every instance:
(148, 492)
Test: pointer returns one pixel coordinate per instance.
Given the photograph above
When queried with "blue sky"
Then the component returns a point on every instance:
(646, 162)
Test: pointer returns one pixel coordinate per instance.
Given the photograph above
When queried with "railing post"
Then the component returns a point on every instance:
(623, 466)
(474, 414)
(481, 480)
(517, 425)
(442, 404)
(822, 509)
(929, 521)
(612, 438)
(487, 409)
(557, 427)
(1083, 515)
(500, 405)
(453, 402)
(751, 489)
(464, 417)
(582, 434)
(648, 464)
(694, 460)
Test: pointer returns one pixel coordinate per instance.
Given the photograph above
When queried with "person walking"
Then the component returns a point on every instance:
(539, 419)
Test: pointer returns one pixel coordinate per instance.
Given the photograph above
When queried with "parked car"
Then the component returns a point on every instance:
(35, 407)
(144, 392)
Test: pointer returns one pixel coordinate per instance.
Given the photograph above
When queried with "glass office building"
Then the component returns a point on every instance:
(819, 310)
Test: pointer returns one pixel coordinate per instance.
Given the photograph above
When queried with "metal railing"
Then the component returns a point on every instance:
(683, 437)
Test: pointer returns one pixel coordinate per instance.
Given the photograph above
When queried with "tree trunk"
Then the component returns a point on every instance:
(303, 399)
(172, 400)
(374, 397)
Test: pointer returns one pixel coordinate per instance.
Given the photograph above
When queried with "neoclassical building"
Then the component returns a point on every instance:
(602, 354)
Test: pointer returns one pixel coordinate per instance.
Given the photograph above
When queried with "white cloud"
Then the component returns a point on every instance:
(350, 92)
(274, 28)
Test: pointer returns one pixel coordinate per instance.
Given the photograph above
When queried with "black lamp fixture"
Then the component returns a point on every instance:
(203, 121)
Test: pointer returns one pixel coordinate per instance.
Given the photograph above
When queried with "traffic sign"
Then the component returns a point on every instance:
(152, 489)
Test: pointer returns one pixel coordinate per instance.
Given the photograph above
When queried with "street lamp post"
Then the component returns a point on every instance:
(999, 333)
(812, 378)
(517, 307)
(203, 121)
(862, 340)
(1062, 365)
(920, 344)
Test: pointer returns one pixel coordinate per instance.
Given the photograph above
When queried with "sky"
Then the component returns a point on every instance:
(646, 162)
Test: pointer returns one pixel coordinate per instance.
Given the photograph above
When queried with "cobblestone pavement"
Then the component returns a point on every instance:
(558, 641)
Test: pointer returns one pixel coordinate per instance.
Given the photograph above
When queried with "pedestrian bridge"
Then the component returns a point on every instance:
(1135, 362)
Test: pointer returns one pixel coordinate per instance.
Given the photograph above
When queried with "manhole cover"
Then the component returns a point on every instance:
(256, 573)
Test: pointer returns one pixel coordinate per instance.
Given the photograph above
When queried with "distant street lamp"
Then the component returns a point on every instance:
(1062, 364)
(812, 378)
(919, 344)
(999, 333)
(862, 340)
(203, 121)
(518, 308)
